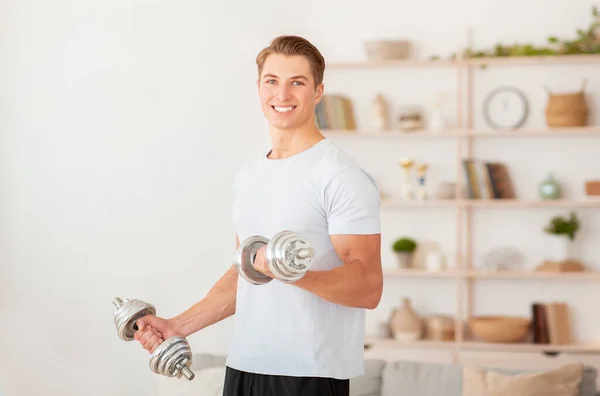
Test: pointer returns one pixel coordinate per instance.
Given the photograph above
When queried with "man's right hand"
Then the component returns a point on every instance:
(152, 331)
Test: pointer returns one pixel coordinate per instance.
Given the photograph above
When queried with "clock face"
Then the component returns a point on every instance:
(505, 108)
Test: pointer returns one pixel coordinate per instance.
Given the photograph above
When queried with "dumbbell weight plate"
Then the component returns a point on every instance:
(170, 356)
(277, 253)
(128, 312)
(283, 259)
(244, 258)
(283, 254)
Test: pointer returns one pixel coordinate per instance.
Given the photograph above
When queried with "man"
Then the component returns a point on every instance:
(306, 337)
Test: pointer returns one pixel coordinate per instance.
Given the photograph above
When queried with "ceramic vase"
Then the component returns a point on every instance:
(549, 188)
(559, 248)
(405, 259)
(405, 324)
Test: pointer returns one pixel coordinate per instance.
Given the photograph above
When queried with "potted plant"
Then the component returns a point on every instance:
(562, 231)
(404, 248)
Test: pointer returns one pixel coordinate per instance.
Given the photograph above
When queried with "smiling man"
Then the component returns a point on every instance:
(306, 337)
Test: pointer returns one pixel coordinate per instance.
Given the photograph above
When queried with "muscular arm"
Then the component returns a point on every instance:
(218, 304)
(356, 283)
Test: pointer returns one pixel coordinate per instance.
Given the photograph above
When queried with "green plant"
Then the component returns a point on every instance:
(563, 226)
(587, 41)
(407, 245)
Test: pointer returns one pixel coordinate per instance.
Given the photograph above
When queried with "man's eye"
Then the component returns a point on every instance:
(270, 81)
(298, 82)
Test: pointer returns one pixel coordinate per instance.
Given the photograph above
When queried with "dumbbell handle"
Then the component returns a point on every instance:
(117, 302)
(300, 253)
(305, 253)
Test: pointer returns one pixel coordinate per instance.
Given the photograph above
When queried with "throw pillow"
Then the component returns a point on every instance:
(562, 381)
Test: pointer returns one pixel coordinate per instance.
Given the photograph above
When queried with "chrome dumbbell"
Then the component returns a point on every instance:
(288, 254)
(172, 358)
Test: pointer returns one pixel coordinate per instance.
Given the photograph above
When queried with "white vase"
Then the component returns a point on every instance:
(559, 248)
(436, 122)
(433, 261)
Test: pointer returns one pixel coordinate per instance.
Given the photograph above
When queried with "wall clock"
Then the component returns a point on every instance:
(505, 108)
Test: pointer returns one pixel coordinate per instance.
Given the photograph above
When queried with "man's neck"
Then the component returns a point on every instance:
(287, 142)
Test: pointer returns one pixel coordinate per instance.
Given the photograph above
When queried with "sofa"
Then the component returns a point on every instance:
(410, 378)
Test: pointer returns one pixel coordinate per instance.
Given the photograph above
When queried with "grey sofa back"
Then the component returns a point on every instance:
(409, 378)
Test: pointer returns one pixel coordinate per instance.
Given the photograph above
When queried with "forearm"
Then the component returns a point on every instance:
(351, 284)
(218, 304)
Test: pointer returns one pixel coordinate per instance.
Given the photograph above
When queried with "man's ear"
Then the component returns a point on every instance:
(319, 93)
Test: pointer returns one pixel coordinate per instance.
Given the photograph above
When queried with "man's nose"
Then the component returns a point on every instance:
(283, 92)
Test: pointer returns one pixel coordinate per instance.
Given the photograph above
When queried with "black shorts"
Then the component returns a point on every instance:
(240, 383)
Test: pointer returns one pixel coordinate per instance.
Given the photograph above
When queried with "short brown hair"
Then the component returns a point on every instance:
(294, 45)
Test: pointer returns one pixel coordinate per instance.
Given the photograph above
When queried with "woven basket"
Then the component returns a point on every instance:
(387, 49)
(567, 109)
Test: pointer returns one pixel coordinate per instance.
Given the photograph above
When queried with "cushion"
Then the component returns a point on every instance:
(410, 378)
(208, 382)
(562, 381)
(588, 382)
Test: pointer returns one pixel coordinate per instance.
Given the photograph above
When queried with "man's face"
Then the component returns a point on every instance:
(287, 91)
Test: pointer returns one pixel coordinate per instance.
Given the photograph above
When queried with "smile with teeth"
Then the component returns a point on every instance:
(283, 109)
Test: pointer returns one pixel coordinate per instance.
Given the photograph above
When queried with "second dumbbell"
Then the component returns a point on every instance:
(288, 254)
(172, 358)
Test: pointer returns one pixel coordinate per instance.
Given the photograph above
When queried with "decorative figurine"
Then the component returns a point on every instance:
(421, 190)
(380, 113)
(406, 164)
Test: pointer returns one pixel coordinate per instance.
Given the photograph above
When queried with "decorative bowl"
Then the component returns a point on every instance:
(506, 329)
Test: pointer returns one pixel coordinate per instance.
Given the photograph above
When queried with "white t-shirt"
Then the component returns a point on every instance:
(278, 327)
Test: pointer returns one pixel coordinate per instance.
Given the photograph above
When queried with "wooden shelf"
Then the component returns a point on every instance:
(535, 203)
(481, 274)
(389, 202)
(374, 342)
(528, 347)
(591, 130)
(485, 61)
(533, 60)
(424, 344)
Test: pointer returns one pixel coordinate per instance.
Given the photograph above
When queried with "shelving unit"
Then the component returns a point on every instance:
(465, 274)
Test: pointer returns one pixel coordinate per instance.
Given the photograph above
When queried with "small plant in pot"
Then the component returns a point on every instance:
(404, 248)
(562, 231)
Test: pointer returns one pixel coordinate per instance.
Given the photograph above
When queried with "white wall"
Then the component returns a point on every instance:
(123, 124)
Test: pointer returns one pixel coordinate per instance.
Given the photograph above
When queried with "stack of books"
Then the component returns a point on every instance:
(487, 180)
(551, 323)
